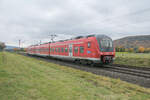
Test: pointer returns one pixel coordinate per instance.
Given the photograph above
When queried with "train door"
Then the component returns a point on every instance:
(70, 50)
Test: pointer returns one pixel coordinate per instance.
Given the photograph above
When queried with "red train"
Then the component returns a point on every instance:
(90, 49)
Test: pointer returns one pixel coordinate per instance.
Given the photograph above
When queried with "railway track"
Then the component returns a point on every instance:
(129, 71)
(129, 74)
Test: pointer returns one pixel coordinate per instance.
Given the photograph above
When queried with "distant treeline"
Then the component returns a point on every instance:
(136, 50)
(19, 49)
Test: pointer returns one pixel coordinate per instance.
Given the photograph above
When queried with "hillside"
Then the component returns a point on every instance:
(133, 41)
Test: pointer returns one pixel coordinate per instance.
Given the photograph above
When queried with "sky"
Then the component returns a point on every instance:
(32, 21)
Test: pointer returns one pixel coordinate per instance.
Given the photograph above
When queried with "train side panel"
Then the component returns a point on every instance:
(87, 49)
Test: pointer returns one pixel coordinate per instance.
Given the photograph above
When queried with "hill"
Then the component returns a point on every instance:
(133, 41)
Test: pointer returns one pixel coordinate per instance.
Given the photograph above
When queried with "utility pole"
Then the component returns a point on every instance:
(52, 36)
(40, 42)
(19, 43)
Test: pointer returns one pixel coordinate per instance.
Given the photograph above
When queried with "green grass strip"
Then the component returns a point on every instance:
(24, 78)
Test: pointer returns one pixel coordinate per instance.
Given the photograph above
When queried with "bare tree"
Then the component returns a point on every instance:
(2, 46)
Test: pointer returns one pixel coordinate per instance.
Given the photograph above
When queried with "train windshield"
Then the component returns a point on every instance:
(105, 44)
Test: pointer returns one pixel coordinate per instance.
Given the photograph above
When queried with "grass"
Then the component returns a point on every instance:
(24, 78)
(133, 59)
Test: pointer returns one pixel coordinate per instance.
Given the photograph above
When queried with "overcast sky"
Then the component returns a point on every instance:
(34, 20)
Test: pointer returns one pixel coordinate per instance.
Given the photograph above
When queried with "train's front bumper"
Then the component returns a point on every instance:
(107, 59)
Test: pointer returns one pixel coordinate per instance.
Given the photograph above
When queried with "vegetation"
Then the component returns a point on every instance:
(19, 49)
(133, 41)
(24, 78)
(135, 50)
(136, 44)
(133, 59)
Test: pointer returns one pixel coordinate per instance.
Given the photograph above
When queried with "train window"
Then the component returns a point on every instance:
(76, 49)
(89, 44)
(81, 49)
(58, 49)
(62, 49)
(66, 49)
(53, 49)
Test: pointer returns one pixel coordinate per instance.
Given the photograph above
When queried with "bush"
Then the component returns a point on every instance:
(141, 49)
(147, 50)
(131, 50)
(120, 49)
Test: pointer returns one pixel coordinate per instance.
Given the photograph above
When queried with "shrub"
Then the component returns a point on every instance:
(131, 50)
(141, 49)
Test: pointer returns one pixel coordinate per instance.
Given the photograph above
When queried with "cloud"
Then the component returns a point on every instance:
(34, 20)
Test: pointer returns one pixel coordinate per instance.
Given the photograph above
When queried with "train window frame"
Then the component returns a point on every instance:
(76, 49)
(89, 44)
(58, 49)
(81, 49)
(66, 50)
(62, 49)
(55, 49)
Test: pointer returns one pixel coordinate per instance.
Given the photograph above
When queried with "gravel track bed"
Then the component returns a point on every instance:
(133, 67)
(104, 71)
(131, 71)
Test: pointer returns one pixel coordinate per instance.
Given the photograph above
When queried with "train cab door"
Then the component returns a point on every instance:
(70, 50)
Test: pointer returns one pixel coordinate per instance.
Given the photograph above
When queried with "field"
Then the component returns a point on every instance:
(133, 59)
(24, 78)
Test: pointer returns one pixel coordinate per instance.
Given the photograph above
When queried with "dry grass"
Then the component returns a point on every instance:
(133, 59)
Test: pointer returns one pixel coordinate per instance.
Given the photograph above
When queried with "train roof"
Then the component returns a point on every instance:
(100, 36)
(79, 37)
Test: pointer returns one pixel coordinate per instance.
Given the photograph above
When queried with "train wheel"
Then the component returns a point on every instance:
(91, 63)
(83, 62)
(77, 61)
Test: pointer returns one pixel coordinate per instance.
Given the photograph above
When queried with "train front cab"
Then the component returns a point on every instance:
(106, 49)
